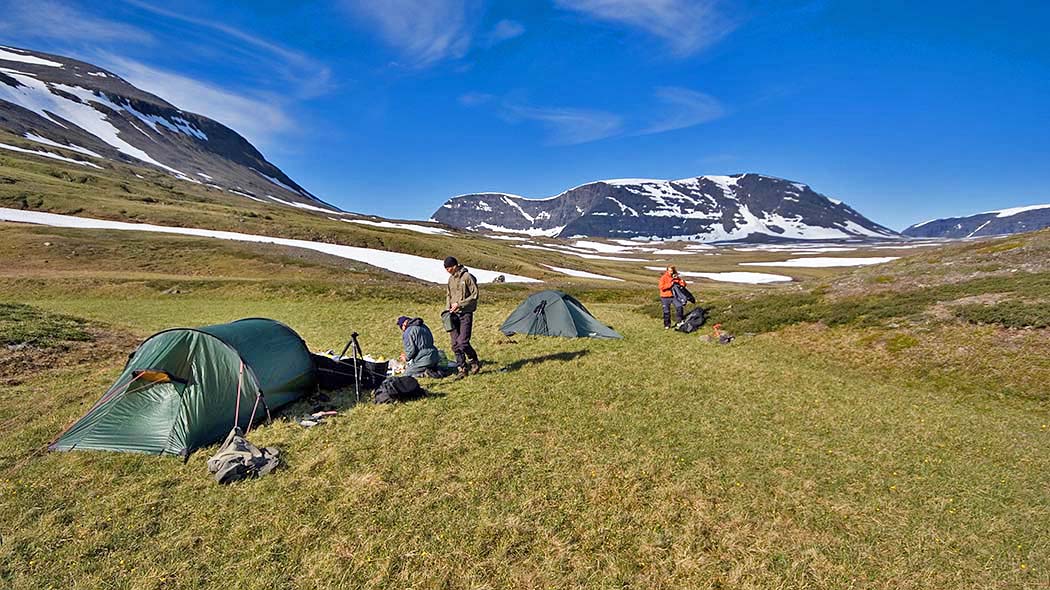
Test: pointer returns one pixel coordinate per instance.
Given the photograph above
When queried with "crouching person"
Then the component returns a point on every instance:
(420, 356)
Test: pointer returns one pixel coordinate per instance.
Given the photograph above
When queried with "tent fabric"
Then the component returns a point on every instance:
(213, 374)
(554, 313)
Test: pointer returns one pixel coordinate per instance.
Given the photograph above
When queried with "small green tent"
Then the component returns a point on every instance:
(184, 388)
(553, 313)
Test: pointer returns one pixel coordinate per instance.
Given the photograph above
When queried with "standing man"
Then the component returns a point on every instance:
(668, 280)
(461, 301)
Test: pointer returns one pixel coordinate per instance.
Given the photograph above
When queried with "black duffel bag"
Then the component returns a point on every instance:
(692, 321)
(398, 389)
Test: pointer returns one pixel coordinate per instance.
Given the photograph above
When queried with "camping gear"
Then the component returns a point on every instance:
(681, 295)
(719, 336)
(692, 321)
(185, 388)
(239, 459)
(447, 322)
(398, 389)
(553, 313)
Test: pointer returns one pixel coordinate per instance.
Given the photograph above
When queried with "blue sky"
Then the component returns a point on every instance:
(905, 110)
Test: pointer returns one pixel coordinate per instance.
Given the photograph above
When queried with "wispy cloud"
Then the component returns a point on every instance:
(49, 19)
(683, 108)
(567, 126)
(310, 77)
(473, 99)
(670, 108)
(504, 31)
(424, 31)
(687, 26)
(260, 119)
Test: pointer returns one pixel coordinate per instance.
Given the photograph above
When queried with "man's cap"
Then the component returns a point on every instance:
(451, 262)
(401, 320)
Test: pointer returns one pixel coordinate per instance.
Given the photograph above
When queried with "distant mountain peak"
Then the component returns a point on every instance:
(709, 208)
(54, 102)
(990, 223)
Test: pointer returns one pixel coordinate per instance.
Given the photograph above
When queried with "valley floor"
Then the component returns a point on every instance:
(658, 461)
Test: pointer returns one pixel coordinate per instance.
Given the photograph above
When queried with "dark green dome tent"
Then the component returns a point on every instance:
(553, 313)
(183, 388)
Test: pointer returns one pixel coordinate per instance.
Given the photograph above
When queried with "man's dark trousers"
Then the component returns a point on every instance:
(462, 325)
(667, 303)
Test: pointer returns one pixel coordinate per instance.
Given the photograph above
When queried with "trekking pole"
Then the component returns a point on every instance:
(354, 346)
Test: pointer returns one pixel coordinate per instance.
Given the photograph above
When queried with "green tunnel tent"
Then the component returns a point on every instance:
(553, 313)
(184, 388)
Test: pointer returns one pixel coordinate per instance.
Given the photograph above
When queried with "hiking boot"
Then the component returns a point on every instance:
(475, 367)
(461, 372)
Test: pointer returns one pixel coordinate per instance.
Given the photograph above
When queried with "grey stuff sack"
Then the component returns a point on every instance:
(239, 459)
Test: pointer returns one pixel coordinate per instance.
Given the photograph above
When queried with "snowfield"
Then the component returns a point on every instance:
(426, 269)
(581, 274)
(14, 148)
(821, 262)
(751, 278)
(423, 229)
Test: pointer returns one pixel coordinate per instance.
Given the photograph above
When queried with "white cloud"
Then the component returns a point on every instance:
(308, 77)
(424, 31)
(259, 119)
(684, 108)
(568, 126)
(473, 99)
(49, 19)
(687, 26)
(505, 30)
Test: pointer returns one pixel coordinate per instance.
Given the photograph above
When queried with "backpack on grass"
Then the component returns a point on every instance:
(398, 389)
(692, 321)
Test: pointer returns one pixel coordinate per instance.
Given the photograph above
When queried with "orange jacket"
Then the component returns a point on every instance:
(666, 282)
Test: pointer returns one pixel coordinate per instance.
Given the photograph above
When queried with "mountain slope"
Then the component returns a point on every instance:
(54, 102)
(991, 223)
(749, 207)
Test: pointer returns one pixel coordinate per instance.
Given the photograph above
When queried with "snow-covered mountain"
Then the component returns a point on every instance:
(69, 110)
(746, 207)
(990, 223)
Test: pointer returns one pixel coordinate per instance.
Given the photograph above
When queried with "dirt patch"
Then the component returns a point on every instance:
(20, 362)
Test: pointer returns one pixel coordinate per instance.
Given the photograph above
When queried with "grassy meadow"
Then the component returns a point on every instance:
(885, 427)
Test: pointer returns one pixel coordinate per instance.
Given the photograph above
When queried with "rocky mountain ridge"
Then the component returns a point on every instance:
(741, 207)
(71, 110)
(990, 223)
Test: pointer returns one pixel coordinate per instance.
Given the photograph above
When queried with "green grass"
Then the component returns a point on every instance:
(25, 325)
(658, 461)
(881, 430)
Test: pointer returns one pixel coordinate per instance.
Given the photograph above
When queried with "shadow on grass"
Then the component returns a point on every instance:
(560, 356)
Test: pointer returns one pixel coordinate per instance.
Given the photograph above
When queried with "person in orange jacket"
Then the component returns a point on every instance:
(668, 280)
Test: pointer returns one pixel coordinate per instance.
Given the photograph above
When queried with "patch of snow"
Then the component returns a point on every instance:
(508, 238)
(670, 252)
(1015, 210)
(75, 148)
(581, 274)
(751, 278)
(979, 228)
(47, 155)
(427, 269)
(531, 231)
(281, 184)
(98, 74)
(305, 206)
(204, 176)
(825, 262)
(26, 59)
(423, 229)
(512, 203)
(37, 97)
(578, 254)
(602, 247)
